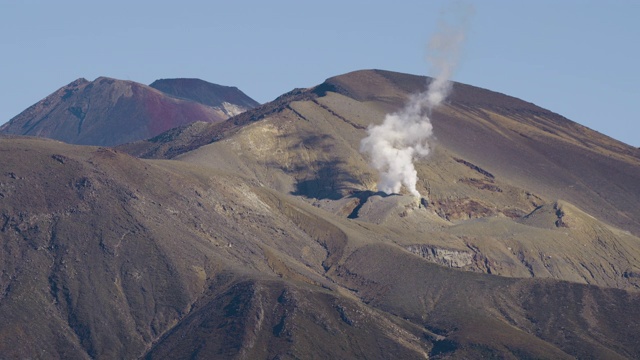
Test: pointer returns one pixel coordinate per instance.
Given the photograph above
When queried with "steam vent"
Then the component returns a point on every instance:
(253, 237)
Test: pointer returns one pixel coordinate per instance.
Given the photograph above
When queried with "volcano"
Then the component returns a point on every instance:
(108, 112)
(264, 236)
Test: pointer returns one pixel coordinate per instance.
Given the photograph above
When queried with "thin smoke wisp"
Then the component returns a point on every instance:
(403, 137)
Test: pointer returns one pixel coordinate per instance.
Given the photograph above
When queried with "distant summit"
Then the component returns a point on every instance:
(227, 98)
(109, 112)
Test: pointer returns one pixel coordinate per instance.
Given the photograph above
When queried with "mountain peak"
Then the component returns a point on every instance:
(205, 92)
(110, 111)
(267, 238)
(78, 81)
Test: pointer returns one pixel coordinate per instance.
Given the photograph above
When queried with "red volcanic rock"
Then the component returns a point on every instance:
(109, 112)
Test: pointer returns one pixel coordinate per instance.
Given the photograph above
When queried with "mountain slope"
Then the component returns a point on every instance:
(229, 99)
(109, 256)
(527, 173)
(109, 112)
(264, 237)
(508, 137)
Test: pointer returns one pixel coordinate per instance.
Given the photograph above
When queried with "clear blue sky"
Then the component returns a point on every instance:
(577, 58)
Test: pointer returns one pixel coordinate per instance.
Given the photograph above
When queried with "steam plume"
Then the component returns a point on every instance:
(404, 136)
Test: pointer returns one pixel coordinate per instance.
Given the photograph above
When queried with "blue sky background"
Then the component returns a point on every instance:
(577, 58)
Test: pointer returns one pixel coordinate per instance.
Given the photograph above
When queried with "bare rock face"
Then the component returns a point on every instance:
(108, 112)
(447, 257)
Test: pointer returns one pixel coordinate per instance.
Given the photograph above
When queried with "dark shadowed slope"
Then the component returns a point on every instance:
(109, 112)
(227, 98)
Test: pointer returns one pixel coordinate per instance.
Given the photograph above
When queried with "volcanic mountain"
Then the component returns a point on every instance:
(227, 98)
(263, 236)
(109, 112)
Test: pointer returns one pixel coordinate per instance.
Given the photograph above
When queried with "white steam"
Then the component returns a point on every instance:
(404, 135)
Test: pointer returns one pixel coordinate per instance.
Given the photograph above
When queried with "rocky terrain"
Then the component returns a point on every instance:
(229, 99)
(110, 112)
(263, 236)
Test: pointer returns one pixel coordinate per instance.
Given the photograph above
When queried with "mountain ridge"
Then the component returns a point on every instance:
(203, 92)
(449, 130)
(109, 112)
(264, 236)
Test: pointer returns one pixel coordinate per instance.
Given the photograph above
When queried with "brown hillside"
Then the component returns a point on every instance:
(264, 236)
(110, 112)
(227, 98)
(108, 256)
(538, 214)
